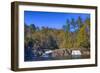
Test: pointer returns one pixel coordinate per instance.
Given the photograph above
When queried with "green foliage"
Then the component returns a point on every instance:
(81, 36)
(49, 38)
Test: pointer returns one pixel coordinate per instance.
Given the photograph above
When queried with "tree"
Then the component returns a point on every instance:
(32, 27)
(87, 23)
(79, 22)
(73, 25)
(73, 32)
(67, 34)
(52, 44)
(82, 37)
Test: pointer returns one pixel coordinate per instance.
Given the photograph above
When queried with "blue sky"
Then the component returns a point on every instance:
(50, 19)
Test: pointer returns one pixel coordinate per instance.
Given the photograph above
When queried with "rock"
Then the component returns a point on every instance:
(76, 52)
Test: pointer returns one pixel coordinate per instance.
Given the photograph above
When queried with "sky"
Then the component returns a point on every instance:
(50, 19)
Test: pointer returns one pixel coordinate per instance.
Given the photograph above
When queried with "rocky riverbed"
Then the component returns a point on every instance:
(57, 54)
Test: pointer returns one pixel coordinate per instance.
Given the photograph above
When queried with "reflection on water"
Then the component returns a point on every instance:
(43, 58)
(76, 56)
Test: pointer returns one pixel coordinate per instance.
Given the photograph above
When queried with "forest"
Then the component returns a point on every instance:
(74, 34)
